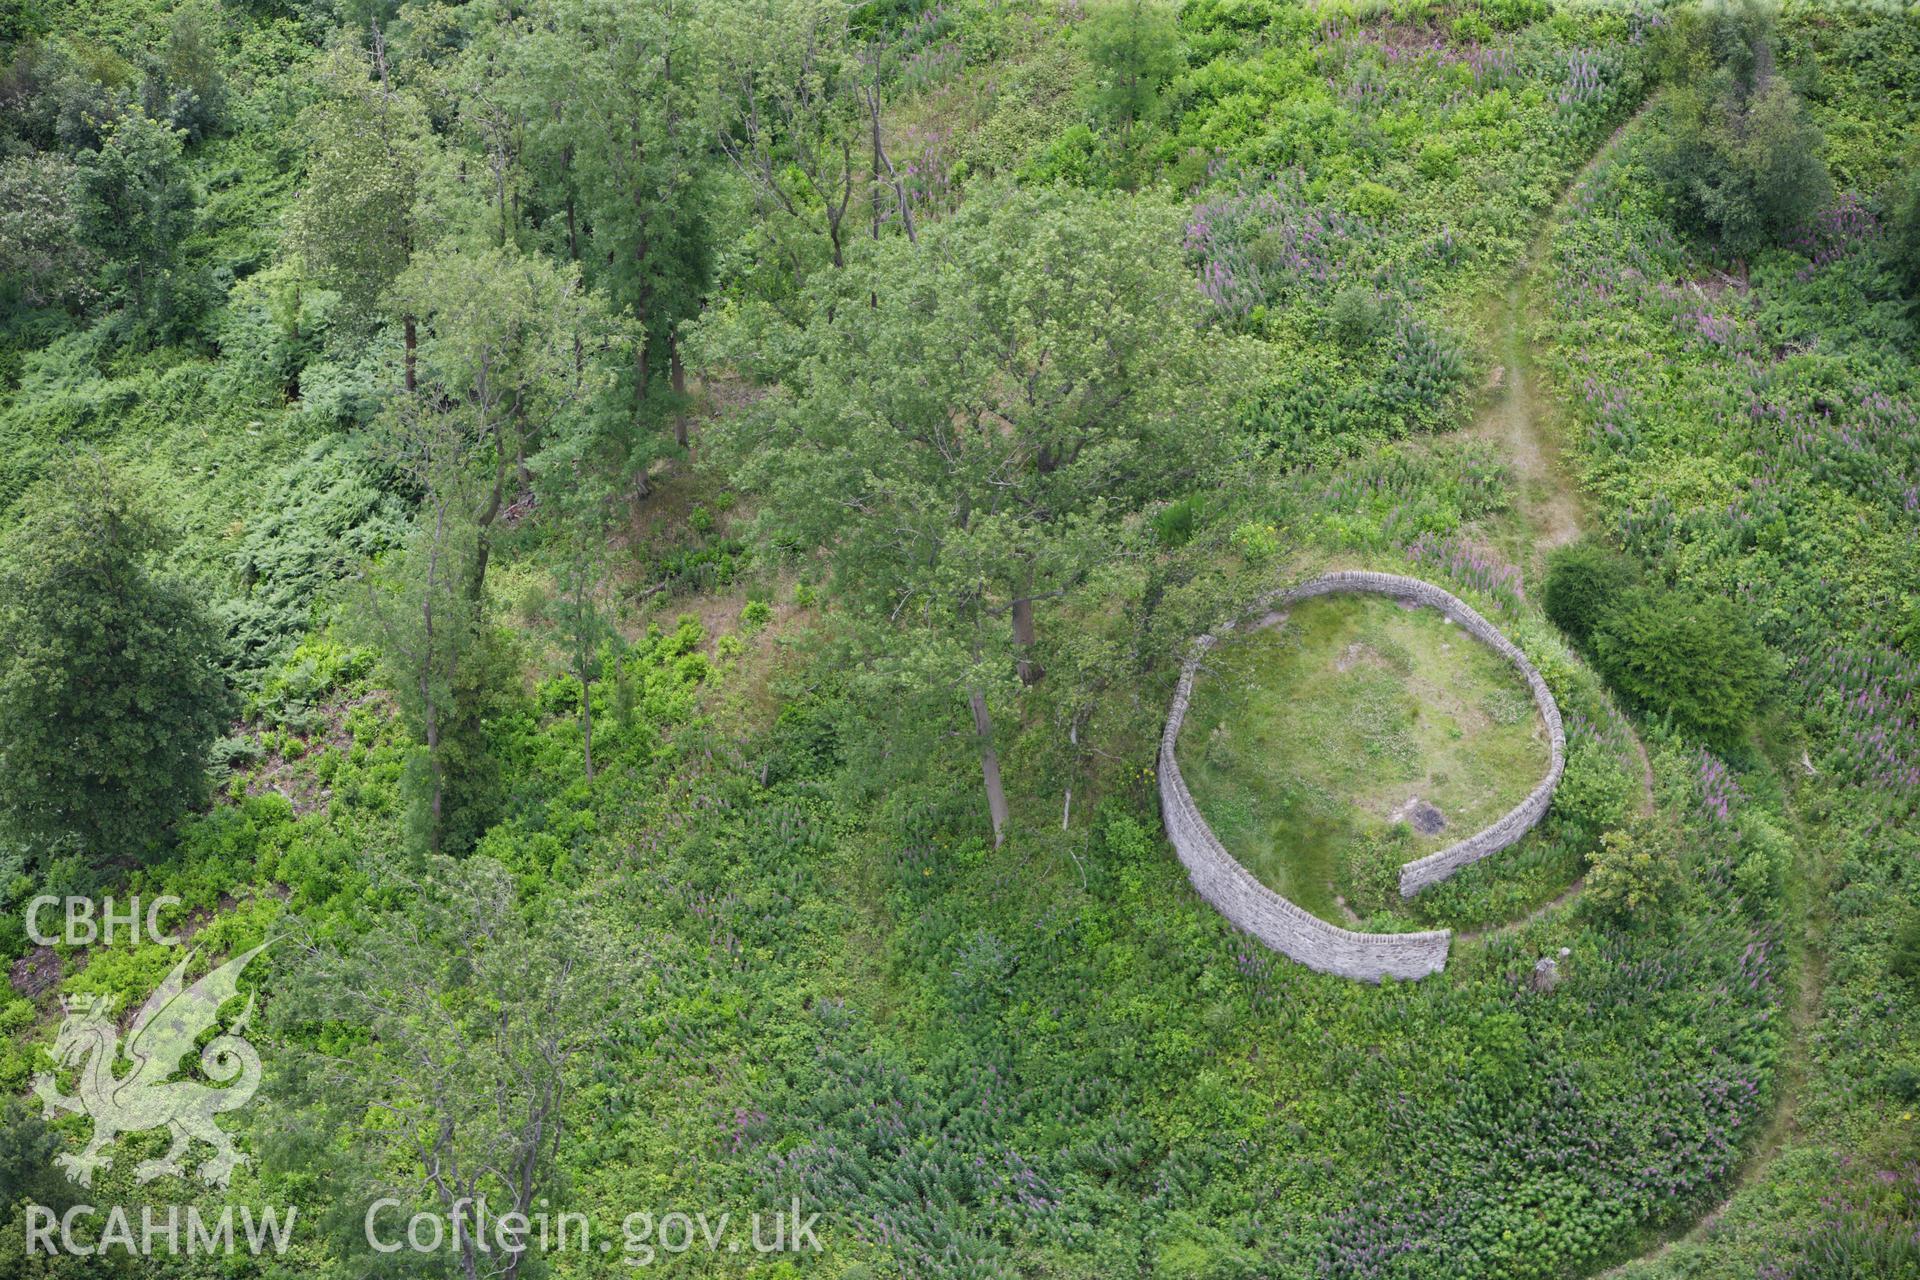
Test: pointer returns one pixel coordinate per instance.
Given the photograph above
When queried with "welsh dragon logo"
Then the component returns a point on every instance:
(163, 1032)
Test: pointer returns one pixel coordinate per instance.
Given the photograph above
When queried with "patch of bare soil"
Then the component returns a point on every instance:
(282, 773)
(1358, 654)
(36, 972)
(1421, 815)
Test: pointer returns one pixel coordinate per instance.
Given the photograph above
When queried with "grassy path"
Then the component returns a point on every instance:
(1526, 431)
(1513, 421)
(1517, 421)
(1525, 428)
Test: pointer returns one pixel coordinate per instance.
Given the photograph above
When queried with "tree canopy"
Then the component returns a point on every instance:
(109, 694)
(973, 421)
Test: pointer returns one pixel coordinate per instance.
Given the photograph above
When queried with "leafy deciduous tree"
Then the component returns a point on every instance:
(1739, 155)
(41, 264)
(1135, 47)
(132, 206)
(787, 75)
(420, 611)
(972, 421)
(109, 695)
(622, 119)
(473, 1009)
(353, 219)
(515, 351)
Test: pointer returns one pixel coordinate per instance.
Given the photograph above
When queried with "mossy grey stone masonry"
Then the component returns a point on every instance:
(1286, 927)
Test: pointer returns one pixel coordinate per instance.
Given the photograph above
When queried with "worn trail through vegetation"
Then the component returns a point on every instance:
(1549, 495)
(1512, 419)
(1521, 426)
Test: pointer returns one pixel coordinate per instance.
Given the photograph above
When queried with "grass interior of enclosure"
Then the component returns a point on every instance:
(1319, 748)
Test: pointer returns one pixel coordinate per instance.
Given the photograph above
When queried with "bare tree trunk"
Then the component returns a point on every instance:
(411, 338)
(436, 781)
(573, 227)
(483, 545)
(1066, 806)
(835, 217)
(586, 718)
(989, 765)
(500, 194)
(877, 201)
(899, 188)
(1030, 671)
(677, 378)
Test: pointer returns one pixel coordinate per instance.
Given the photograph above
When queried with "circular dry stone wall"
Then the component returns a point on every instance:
(1286, 927)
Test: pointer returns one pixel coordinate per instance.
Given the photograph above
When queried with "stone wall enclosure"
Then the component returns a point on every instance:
(1287, 928)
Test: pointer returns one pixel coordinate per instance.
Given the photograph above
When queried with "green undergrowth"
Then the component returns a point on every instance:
(1050, 1057)
(1747, 431)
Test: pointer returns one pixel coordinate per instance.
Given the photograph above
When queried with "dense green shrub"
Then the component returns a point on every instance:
(1585, 581)
(1356, 315)
(1633, 874)
(1595, 794)
(1768, 851)
(1740, 157)
(1903, 231)
(1692, 657)
(27, 1147)
(328, 512)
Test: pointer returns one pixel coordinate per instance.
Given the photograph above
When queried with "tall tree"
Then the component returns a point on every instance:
(973, 426)
(353, 221)
(789, 118)
(109, 695)
(623, 121)
(1903, 229)
(576, 504)
(516, 348)
(1738, 154)
(467, 1016)
(40, 262)
(132, 206)
(487, 100)
(418, 609)
(1134, 46)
